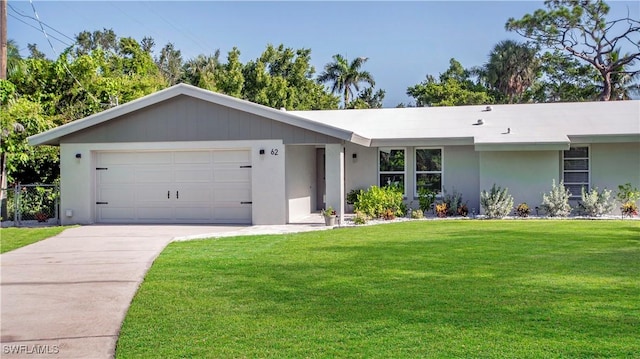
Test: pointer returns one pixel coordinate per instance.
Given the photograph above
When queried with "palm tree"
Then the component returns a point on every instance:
(345, 76)
(511, 70)
(623, 80)
(200, 70)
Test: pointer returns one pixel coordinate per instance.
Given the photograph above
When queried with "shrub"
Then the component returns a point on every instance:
(352, 196)
(441, 210)
(454, 203)
(596, 203)
(426, 198)
(556, 203)
(376, 202)
(628, 196)
(417, 214)
(360, 218)
(523, 210)
(463, 210)
(497, 203)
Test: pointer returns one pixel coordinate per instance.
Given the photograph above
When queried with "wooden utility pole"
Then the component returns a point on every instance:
(3, 39)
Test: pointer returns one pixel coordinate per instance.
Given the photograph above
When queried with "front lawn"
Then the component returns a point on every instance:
(482, 289)
(14, 238)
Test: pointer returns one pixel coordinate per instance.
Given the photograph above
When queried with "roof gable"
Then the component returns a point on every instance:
(53, 137)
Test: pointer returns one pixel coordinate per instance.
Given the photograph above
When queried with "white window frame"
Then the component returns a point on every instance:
(416, 172)
(403, 172)
(587, 185)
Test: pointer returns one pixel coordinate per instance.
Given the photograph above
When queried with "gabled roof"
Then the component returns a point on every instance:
(53, 136)
(522, 126)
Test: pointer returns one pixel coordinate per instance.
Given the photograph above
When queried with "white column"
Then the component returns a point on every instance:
(334, 178)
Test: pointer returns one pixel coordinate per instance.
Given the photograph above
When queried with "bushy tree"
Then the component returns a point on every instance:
(454, 88)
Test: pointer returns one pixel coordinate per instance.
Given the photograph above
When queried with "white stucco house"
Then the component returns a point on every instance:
(187, 155)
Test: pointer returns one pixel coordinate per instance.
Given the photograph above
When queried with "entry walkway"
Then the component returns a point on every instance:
(66, 296)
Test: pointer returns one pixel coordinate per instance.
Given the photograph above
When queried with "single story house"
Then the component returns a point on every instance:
(187, 155)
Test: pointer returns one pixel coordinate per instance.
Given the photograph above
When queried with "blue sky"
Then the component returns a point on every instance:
(404, 41)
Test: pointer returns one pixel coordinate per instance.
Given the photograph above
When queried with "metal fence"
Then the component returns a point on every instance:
(30, 204)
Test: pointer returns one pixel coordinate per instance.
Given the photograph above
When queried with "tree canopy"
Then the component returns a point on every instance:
(581, 29)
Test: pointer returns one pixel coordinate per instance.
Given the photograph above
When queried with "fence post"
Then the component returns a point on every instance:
(56, 203)
(16, 212)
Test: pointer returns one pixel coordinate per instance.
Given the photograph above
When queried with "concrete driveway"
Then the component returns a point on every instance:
(66, 297)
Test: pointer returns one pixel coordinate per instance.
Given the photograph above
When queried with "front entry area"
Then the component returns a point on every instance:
(204, 186)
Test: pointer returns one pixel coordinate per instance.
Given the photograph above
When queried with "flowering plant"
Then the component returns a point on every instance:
(329, 211)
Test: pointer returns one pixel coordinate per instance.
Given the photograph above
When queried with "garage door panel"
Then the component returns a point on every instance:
(232, 175)
(194, 213)
(154, 213)
(146, 174)
(116, 175)
(233, 215)
(157, 158)
(174, 187)
(115, 214)
(115, 196)
(239, 156)
(193, 175)
(192, 157)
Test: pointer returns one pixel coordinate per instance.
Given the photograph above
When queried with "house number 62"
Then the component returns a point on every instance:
(274, 152)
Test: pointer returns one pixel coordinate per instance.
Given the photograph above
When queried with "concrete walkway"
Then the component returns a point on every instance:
(66, 296)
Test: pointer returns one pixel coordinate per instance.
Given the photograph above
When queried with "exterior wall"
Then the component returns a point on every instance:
(77, 185)
(334, 174)
(300, 181)
(461, 169)
(361, 172)
(613, 164)
(526, 174)
(189, 119)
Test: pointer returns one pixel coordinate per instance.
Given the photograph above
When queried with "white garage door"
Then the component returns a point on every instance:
(173, 187)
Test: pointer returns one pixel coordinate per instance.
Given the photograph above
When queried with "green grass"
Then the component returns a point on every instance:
(445, 289)
(14, 238)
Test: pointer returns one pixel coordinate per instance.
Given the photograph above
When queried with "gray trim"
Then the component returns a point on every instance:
(546, 146)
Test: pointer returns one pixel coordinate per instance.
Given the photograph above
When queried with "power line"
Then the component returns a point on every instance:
(26, 23)
(35, 13)
(31, 17)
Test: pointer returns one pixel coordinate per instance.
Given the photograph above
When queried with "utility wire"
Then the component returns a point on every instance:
(56, 53)
(26, 23)
(31, 17)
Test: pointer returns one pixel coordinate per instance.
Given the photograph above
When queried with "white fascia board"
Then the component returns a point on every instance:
(533, 146)
(417, 142)
(605, 138)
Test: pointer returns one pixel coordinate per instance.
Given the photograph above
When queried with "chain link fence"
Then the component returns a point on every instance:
(30, 205)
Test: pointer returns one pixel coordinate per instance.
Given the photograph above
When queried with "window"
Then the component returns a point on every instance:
(429, 169)
(392, 168)
(575, 170)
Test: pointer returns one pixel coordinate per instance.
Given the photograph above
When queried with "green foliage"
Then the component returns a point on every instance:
(20, 119)
(417, 214)
(497, 203)
(352, 196)
(523, 210)
(628, 196)
(581, 30)
(627, 193)
(360, 218)
(565, 80)
(14, 238)
(454, 203)
(426, 198)
(376, 202)
(556, 202)
(7, 91)
(454, 88)
(596, 204)
(345, 76)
